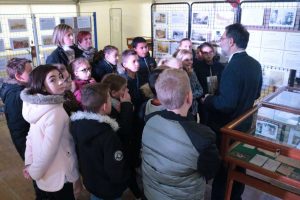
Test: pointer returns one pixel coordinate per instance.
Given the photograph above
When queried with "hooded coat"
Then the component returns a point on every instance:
(18, 127)
(50, 152)
(100, 154)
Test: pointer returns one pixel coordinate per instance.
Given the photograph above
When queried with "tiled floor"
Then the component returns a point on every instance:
(14, 187)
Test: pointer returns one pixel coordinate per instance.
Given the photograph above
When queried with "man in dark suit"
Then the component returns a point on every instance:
(240, 86)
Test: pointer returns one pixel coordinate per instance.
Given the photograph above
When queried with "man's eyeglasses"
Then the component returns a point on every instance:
(86, 70)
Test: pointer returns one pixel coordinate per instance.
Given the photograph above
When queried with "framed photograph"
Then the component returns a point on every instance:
(249, 20)
(160, 18)
(17, 25)
(163, 47)
(3, 62)
(178, 34)
(67, 20)
(2, 47)
(83, 22)
(224, 18)
(200, 18)
(47, 23)
(179, 18)
(199, 36)
(160, 33)
(294, 138)
(282, 17)
(173, 47)
(216, 35)
(19, 43)
(266, 129)
(274, 77)
(47, 40)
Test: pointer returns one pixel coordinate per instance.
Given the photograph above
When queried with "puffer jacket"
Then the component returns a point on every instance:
(177, 157)
(50, 152)
(18, 127)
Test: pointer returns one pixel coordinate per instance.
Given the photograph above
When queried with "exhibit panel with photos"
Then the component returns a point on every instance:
(209, 20)
(170, 24)
(16, 38)
(274, 38)
(27, 36)
(46, 22)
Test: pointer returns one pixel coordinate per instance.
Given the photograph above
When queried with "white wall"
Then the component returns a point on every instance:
(27, 9)
(136, 19)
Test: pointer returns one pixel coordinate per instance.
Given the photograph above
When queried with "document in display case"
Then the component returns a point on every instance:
(269, 146)
(286, 98)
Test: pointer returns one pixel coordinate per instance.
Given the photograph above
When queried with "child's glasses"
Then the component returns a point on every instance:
(207, 52)
(86, 70)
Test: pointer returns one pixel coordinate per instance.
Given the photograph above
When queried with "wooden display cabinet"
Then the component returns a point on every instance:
(266, 142)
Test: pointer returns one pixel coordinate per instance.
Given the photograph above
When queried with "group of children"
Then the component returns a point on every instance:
(107, 112)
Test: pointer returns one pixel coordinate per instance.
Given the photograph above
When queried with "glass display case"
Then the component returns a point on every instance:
(266, 142)
(286, 98)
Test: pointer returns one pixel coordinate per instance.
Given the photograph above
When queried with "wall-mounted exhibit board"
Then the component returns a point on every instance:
(274, 37)
(209, 19)
(22, 34)
(200, 21)
(170, 24)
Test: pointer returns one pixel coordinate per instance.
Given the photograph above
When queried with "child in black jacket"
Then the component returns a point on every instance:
(99, 149)
(146, 62)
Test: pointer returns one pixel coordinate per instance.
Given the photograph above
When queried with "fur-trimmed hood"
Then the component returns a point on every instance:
(41, 99)
(80, 115)
(38, 105)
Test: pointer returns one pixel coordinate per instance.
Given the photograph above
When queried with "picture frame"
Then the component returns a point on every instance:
(19, 43)
(2, 46)
(178, 34)
(247, 18)
(223, 19)
(173, 47)
(47, 40)
(163, 47)
(216, 35)
(178, 18)
(17, 25)
(160, 18)
(200, 18)
(266, 129)
(294, 138)
(199, 36)
(47, 23)
(67, 20)
(282, 17)
(160, 33)
(83, 22)
(3, 62)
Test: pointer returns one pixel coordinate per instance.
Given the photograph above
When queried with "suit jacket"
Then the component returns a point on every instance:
(240, 86)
